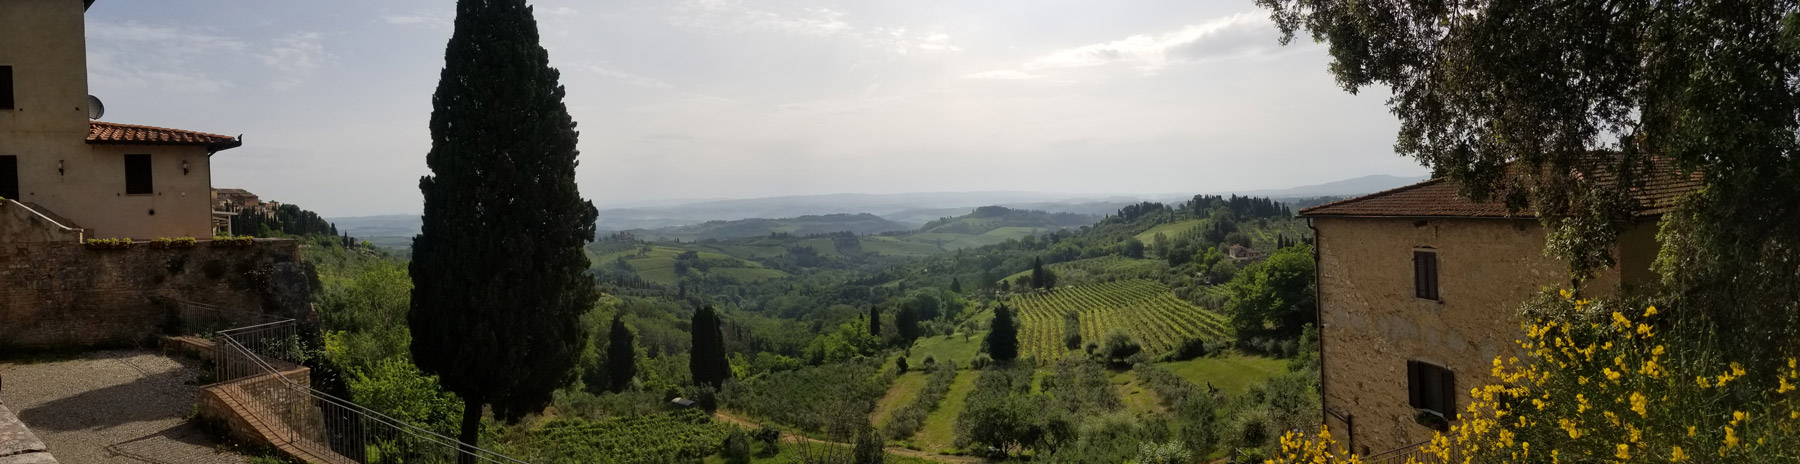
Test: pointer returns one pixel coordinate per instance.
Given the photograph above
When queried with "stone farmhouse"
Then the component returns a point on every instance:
(1418, 293)
(103, 179)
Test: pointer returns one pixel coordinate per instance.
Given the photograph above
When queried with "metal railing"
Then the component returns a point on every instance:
(1415, 453)
(256, 366)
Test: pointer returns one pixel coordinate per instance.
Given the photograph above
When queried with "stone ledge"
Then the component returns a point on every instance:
(18, 445)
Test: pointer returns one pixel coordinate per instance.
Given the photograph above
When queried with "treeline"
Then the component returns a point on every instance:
(284, 220)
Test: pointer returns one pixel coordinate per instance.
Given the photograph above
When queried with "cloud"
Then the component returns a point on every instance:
(425, 19)
(296, 57)
(136, 55)
(1237, 36)
(629, 78)
(736, 17)
(1003, 74)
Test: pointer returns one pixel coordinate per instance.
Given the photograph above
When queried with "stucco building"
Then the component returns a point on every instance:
(1419, 290)
(106, 179)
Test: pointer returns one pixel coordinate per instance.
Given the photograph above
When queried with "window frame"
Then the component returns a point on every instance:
(148, 178)
(1431, 388)
(1426, 269)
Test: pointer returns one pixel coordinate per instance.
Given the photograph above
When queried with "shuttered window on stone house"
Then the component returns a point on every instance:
(1432, 388)
(6, 88)
(1425, 274)
(137, 175)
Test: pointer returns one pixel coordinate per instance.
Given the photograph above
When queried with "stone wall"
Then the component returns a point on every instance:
(63, 295)
(1372, 323)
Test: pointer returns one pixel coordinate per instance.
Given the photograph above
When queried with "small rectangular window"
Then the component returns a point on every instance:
(1425, 275)
(6, 88)
(137, 175)
(1432, 388)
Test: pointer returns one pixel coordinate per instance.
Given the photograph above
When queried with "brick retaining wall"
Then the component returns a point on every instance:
(63, 295)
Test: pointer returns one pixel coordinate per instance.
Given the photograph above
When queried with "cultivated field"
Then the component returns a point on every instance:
(1143, 308)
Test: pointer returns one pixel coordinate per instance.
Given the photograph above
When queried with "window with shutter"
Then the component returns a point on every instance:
(9, 177)
(6, 88)
(137, 175)
(1431, 387)
(1425, 270)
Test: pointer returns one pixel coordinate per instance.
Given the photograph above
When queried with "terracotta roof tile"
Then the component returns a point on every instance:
(115, 133)
(1439, 198)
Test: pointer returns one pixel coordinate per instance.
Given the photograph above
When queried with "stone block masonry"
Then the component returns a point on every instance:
(67, 296)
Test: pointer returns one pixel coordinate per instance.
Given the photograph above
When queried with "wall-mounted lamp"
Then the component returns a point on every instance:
(59, 167)
(184, 169)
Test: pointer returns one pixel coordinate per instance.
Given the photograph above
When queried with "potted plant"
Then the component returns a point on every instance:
(108, 243)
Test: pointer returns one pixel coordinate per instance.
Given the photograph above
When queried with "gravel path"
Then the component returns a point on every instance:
(112, 407)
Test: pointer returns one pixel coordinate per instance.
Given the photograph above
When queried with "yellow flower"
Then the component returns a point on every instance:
(1640, 404)
(1624, 451)
(1690, 430)
(1658, 351)
(1737, 370)
(1651, 311)
(1702, 381)
(1620, 319)
(1731, 439)
(1566, 294)
(1676, 455)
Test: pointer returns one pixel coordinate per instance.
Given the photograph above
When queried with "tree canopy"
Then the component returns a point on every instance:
(499, 275)
(707, 361)
(1003, 336)
(1710, 89)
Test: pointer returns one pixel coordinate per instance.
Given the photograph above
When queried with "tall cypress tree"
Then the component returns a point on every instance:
(499, 278)
(1003, 336)
(875, 321)
(707, 360)
(1037, 273)
(621, 355)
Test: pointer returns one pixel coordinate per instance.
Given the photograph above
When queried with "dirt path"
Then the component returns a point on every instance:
(794, 437)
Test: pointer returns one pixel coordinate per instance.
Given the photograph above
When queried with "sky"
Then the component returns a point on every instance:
(740, 99)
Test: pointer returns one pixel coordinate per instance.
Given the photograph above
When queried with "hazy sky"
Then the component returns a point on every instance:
(721, 98)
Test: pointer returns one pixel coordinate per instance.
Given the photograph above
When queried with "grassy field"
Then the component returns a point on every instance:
(1142, 308)
(749, 251)
(1169, 230)
(1138, 399)
(905, 388)
(892, 246)
(946, 348)
(790, 452)
(748, 274)
(1233, 373)
(939, 433)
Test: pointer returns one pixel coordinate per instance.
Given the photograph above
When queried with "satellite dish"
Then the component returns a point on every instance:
(95, 108)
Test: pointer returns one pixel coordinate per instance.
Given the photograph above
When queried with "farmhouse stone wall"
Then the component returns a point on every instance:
(64, 295)
(1372, 323)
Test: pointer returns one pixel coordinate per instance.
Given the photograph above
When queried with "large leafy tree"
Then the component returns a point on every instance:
(1276, 297)
(499, 277)
(1710, 88)
(707, 361)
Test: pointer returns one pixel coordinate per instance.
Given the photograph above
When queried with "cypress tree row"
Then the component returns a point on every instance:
(621, 355)
(707, 360)
(499, 278)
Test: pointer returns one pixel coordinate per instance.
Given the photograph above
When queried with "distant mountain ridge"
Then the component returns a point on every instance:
(1347, 187)
(909, 210)
(860, 224)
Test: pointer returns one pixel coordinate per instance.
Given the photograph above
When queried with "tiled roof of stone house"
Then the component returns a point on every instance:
(115, 133)
(1438, 197)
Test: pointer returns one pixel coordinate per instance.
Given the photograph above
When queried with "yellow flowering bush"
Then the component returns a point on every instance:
(1605, 385)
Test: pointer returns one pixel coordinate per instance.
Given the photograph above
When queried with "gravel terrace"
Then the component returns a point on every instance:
(112, 407)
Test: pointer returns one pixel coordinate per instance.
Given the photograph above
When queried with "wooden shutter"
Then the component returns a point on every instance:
(9, 177)
(1431, 275)
(6, 88)
(1447, 381)
(137, 175)
(1425, 281)
(1415, 384)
